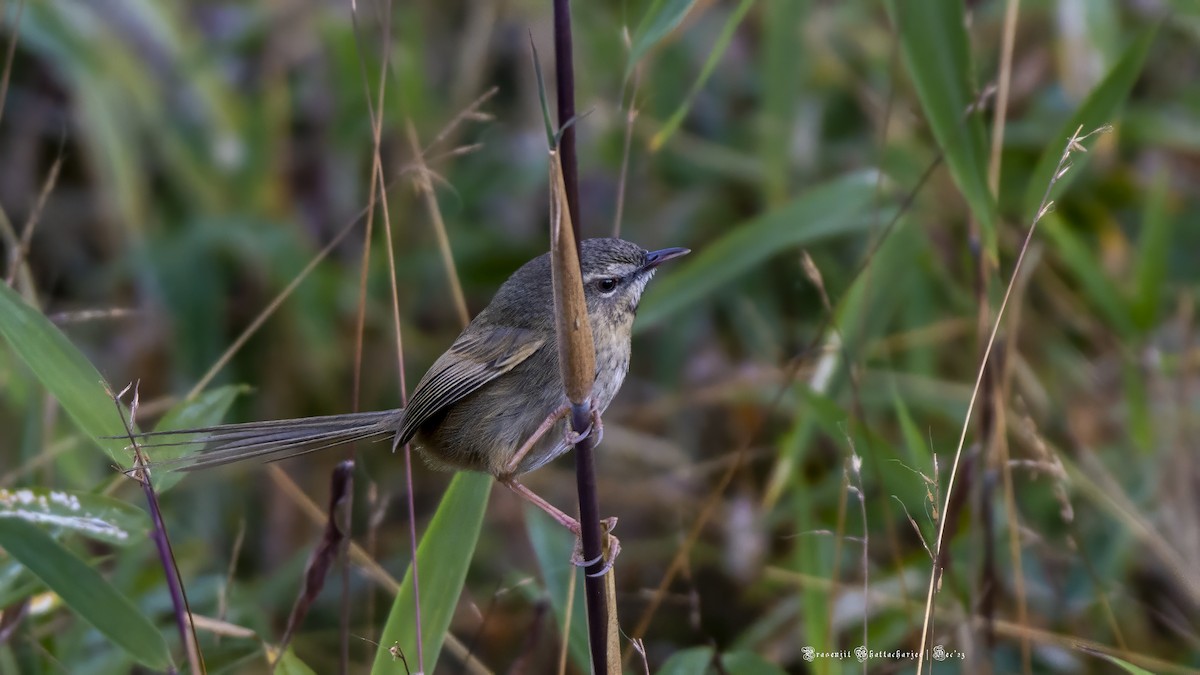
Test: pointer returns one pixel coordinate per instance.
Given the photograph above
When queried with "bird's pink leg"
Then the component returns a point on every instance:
(535, 499)
(546, 426)
(613, 548)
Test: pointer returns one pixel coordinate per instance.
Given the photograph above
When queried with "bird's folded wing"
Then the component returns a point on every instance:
(474, 359)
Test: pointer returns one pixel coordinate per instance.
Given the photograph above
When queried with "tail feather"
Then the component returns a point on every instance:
(271, 441)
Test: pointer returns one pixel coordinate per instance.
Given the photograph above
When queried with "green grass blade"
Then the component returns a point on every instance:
(660, 19)
(1100, 107)
(748, 663)
(443, 558)
(86, 592)
(94, 516)
(1085, 265)
(688, 662)
(1154, 248)
(290, 664)
(542, 99)
(835, 208)
(710, 64)
(16, 583)
(205, 410)
(1119, 662)
(553, 546)
(784, 68)
(64, 371)
(935, 45)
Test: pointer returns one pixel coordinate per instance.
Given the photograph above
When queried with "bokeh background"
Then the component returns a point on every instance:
(167, 169)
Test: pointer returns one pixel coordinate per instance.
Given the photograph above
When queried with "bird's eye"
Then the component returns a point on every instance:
(607, 285)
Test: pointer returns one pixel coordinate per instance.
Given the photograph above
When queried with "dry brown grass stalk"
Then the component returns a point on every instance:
(425, 187)
(1074, 144)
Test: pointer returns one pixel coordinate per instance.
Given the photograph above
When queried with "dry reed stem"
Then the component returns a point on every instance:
(1073, 145)
(577, 365)
(565, 632)
(576, 350)
(1012, 9)
(612, 645)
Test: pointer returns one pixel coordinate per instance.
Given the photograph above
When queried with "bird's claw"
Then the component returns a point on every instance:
(594, 424)
(611, 546)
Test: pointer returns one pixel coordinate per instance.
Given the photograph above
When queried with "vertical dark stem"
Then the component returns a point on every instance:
(589, 521)
(564, 79)
(585, 472)
(166, 556)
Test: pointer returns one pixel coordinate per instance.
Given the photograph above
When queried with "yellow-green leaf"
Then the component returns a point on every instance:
(936, 50)
(1100, 107)
(64, 371)
(442, 561)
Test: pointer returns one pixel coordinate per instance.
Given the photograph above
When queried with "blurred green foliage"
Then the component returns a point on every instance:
(207, 152)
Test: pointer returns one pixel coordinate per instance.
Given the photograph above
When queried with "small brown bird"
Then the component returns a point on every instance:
(494, 401)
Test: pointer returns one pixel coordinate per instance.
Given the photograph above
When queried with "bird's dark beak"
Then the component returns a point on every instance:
(656, 258)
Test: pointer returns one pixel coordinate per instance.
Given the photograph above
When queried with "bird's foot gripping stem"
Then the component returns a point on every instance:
(610, 544)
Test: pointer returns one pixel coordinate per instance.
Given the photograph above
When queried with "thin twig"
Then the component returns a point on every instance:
(179, 601)
(425, 186)
(87, 315)
(376, 119)
(22, 250)
(412, 507)
(471, 113)
(9, 54)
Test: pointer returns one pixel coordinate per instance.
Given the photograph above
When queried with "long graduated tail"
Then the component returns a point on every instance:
(270, 441)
